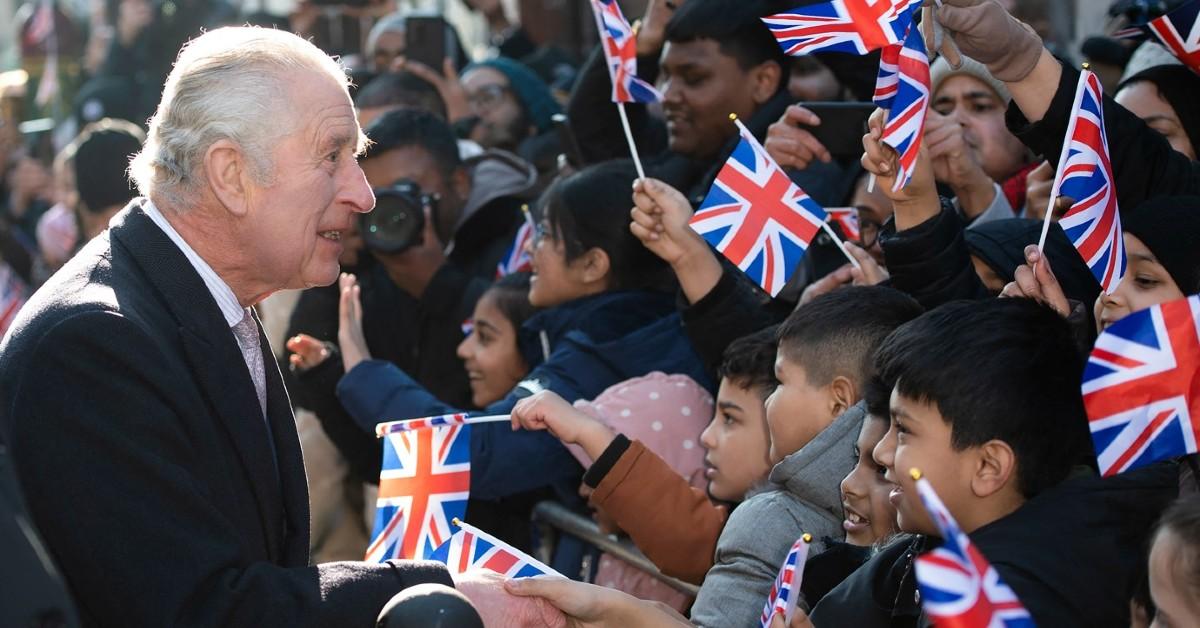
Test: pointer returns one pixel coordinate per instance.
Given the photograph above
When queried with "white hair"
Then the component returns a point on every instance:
(229, 83)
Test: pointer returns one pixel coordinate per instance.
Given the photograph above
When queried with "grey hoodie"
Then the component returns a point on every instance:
(802, 495)
(495, 174)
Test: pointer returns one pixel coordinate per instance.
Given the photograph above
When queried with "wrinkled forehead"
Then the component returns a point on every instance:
(322, 110)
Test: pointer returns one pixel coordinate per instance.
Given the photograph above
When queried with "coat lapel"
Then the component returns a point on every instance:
(215, 359)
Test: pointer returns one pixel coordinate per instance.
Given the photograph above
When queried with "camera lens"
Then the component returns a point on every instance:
(396, 222)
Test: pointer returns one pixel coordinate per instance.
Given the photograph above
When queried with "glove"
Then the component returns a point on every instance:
(986, 32)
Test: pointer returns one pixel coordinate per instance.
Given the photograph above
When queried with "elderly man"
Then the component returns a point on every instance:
(147, 422)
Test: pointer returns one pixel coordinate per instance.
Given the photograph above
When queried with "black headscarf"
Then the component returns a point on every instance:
(1001, 245)
(1180, 87)
(1170, 227)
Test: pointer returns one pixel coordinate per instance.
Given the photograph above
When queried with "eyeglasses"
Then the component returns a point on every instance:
(487, 96)
(868, 230)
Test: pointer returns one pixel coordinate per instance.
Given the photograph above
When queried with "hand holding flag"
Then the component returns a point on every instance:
(619, 43)
(471, 548)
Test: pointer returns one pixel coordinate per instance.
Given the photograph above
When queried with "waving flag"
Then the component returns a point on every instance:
(906, 103)
(846, 218)
(1179, 31)
(461, 418)
(854, 26)
(1141, 389)
(959, 588)
(12, 296)
(620, 50)
(423, 485)
(516, 259)
(1085, 175)
(786, 590)
(756, 217)
(472, 548)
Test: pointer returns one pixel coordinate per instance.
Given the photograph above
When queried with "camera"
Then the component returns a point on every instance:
(399, 217)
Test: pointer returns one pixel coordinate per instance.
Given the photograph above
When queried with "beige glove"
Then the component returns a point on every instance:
(986, 32)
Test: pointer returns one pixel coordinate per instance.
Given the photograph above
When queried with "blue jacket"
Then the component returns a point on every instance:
(577, 350)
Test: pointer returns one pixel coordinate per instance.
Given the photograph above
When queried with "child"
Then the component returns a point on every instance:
(490, 352)
(629, 483)
(824, 359)
(1174, 583)
(986, 404)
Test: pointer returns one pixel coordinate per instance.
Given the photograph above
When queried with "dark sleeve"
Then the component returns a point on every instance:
(609, 457)
(1144, 164)
(931, 262)
(108, 452)
(597, 125)
(734, 308)
(452, 293)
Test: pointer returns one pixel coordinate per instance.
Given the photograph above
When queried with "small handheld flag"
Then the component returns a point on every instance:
(424, 483)
(853, 26)
(902, 88)
(1178, 31)
(516, 259)
(756, 217)
(12, 296)
(846, 218)
(461, 418)
(619, 43)
(786, 590)
(472, 548)
(1085, 175)
(1141, 387)
(959, 588)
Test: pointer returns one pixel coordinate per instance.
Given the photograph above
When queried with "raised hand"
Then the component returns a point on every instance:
(351, 341)
(987, 33)
(1035, 280)
(307, 352)
(914, 203)
(660, 220)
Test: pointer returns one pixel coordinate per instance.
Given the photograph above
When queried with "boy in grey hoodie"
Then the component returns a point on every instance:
(824, 360)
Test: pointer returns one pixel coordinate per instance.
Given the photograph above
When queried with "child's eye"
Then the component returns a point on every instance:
(857, 453)
(880, 470)
(1145, 282)
(727, 418)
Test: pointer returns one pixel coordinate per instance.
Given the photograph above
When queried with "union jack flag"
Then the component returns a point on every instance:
(907, 101)
(12, 296)
(1141, 389)
(1178, 31)
(756, 217)
(423, 485)
(1085, 175)
(785, 591)
(620, 50)
(391, 427)
(959, 587)
(853, 26)
(472, 548)
(845, 218)
(516, 259)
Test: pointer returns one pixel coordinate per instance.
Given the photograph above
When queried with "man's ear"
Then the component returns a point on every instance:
(843, 393)
(764, 81)
(225, 170)
(995, 468)
(595, 265)
(460, 180)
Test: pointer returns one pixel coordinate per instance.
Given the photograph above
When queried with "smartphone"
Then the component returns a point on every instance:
(425, 40)
(842, 126)
(566, 138)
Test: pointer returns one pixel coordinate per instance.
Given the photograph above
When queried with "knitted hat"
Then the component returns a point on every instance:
(1148, 55)
(941, 70)
(1180, 87)
(531, 91)
(1170, 227)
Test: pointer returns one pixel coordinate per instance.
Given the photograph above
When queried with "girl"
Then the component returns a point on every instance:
(1174, 583)
(609, 316)
(490, 353)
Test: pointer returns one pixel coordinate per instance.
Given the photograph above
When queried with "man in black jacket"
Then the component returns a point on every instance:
(148, 424)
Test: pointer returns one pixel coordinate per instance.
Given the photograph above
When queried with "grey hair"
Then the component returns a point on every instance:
(230, 84)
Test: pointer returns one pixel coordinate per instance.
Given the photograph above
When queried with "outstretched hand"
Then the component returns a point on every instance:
(546, 410)
(591, 606)
(351, 341)
(914, 203)
(499, 608)
(307, 352)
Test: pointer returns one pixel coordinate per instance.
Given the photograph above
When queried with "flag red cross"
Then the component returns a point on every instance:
(424, 484)
(767, 203)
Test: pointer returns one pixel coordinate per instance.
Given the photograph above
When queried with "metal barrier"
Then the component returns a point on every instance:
(560, 518)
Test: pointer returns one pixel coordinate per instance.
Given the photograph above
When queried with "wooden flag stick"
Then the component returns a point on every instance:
(637, 161)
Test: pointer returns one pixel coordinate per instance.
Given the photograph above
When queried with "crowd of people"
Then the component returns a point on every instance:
(239, 242)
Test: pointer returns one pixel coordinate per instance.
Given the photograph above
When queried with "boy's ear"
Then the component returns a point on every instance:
(765, 79)
(996, 468)
(843, 393)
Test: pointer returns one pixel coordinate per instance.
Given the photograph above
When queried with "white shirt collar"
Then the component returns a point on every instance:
(221, 292)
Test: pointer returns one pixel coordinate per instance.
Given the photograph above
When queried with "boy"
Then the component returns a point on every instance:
(986, 404)
(629, 482)
(814, 416)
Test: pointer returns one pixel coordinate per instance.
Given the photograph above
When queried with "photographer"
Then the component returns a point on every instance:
(438, 232)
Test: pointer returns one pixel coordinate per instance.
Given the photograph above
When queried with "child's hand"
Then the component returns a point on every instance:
(351, 341)
(307, 352)
(548, 411)
(914, 203)
(660, 220)
(1035, 280)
